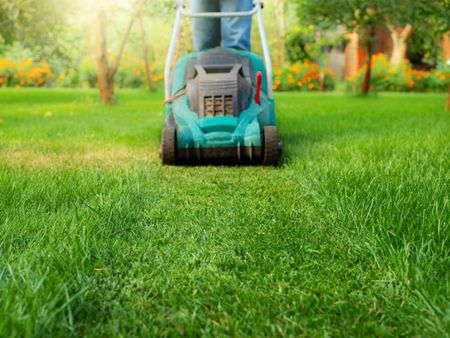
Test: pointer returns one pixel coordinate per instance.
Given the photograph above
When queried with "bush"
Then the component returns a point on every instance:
(28, 73)
(131, 73)
(69, 79)
(25, 73)
(88, 74)
(303, 77)
(297, 43)
(402, 78)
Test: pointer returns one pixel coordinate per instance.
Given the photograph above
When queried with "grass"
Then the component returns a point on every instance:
(350, 236)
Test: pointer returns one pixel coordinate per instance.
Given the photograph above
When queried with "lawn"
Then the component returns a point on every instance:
(350, 236)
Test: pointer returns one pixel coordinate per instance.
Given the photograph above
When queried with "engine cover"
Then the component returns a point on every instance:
(218, 83)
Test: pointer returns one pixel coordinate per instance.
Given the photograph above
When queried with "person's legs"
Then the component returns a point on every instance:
(236, 31)
(205, 32)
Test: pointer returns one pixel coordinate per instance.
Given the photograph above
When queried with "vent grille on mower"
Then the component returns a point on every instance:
(218, 105)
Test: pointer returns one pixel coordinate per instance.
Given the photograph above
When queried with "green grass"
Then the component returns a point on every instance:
(350, 236)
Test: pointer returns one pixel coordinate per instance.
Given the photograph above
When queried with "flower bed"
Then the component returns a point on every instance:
(28, 73)
(25, 73)
(402, 78)
(303, 77)
(307, 76)
(132, 73)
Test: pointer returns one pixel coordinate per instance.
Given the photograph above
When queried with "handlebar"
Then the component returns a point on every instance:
(180, 12)
(257, 6)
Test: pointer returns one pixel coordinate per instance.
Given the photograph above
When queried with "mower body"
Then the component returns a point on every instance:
(214, 112)
(219, 104)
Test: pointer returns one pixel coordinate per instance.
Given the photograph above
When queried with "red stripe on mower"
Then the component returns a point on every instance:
(258, 88)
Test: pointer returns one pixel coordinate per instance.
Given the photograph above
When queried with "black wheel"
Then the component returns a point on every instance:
(169, 146)
(271, 146)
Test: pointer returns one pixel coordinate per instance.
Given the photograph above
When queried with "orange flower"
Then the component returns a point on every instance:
(311, 86)
(295, 69)
(27, 63)
(329, 72)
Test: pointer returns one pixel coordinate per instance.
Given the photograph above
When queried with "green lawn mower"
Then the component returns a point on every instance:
(219, 106)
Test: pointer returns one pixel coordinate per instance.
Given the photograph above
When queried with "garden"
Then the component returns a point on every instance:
(305, 76)
(347, 236)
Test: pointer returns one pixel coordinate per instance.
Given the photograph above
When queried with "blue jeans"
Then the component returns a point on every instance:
(225, 32)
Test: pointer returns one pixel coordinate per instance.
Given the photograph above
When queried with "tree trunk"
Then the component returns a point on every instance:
(400, 37)
(279, 13)
(123, 42)
(322, 80)
(351, 54)
(105, 86)
(368, 74)
(148, 74)
(105, 73)
(448, 99)
(446, 46)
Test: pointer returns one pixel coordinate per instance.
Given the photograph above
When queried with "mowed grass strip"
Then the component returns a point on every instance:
(349, 236)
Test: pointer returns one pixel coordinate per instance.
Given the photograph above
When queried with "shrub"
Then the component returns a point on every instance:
(402, 78)
(131, 73)
(69, 79)
(28, 73)
(88, 74)
(25, 73)
(303, 77)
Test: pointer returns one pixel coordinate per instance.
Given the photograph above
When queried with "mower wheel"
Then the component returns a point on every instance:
(169, 146)
(271, 146)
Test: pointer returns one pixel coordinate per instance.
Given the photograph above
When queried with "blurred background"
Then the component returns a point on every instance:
(316, 45)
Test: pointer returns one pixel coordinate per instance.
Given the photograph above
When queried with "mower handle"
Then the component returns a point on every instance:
(220, 14)
(257, 9)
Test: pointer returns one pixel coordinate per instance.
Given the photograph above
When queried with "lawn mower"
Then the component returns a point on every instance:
(219, 106)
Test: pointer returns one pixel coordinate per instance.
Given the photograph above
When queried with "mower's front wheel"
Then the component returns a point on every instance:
(271, 146)
(169, 146)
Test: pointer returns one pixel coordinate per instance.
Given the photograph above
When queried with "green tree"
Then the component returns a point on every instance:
(355, 15)
(35, 24)
(363, 16)
(402, 18)
(105, 71)
(297, 42)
